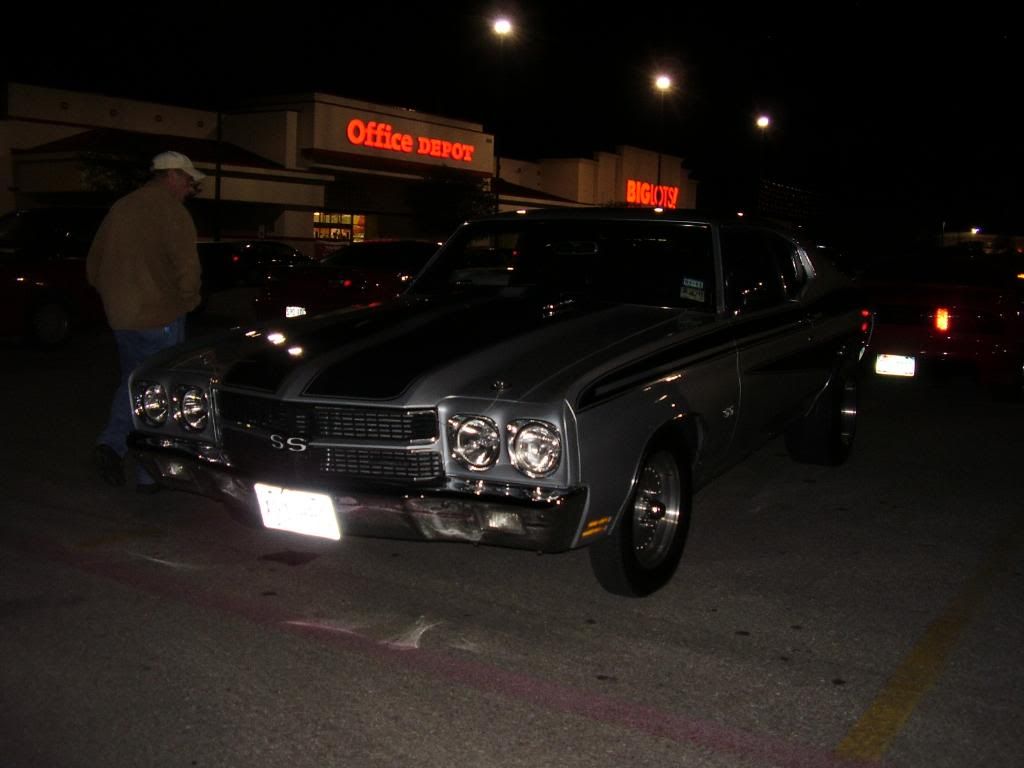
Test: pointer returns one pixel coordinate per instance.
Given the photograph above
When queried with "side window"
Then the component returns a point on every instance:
(787, 261)
(752, 279)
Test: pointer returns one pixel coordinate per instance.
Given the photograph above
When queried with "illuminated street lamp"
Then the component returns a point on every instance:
(662, 83)
(502, 28)
(762, 122)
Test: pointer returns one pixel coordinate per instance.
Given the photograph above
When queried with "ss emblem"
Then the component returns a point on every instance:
(280, 442)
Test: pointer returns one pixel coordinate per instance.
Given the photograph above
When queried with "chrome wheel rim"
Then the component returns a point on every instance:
(657, 509)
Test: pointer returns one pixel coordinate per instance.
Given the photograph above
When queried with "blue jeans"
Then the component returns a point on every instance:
(133, 348)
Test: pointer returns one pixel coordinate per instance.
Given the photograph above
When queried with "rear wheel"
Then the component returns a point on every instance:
(825, 434)
(642, 553)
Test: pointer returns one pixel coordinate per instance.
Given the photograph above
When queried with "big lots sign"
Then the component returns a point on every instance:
(381, 135)
(645, 193)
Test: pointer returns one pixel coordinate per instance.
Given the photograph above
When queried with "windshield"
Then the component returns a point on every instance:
(397, 256)
(657, 264)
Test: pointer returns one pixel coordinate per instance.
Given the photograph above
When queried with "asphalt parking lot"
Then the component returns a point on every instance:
(867, 614)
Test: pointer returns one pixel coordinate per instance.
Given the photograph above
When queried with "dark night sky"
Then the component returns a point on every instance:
(896, 115)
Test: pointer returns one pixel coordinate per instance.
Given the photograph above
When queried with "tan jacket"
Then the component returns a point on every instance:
(143, 260)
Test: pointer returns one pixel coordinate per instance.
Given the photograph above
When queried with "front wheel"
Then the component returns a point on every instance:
(642, 552)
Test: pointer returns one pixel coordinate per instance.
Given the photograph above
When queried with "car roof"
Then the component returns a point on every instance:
(623, 213)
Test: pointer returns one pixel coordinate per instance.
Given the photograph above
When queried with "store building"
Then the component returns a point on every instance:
(315, 170)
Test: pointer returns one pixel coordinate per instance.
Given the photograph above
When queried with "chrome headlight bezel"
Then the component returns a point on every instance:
(474, 441)
(193, 408)
(151, 403)
(534, 447)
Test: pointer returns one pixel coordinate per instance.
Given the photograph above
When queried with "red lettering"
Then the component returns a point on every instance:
(356, 131)
(384, 136)
(645, 193)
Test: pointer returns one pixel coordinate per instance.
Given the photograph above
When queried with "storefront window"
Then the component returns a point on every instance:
(333, 230)
(339, 227)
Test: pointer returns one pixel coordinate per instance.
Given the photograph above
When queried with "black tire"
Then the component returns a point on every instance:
(642, 552)
(50, 324)
(825, 434)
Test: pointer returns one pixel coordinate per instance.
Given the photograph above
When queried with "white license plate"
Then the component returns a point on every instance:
(298, 511)
(894, 365)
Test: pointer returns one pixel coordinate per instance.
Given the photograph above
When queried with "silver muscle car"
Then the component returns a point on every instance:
(552, 379)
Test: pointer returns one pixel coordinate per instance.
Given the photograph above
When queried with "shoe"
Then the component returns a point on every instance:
(108, 464)
(147, 489)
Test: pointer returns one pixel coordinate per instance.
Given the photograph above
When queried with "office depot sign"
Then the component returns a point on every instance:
(373, 134)
(645, 193)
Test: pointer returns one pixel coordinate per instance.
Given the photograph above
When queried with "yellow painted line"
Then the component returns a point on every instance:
(871, 736)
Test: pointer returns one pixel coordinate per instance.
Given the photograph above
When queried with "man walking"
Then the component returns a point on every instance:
(143, 263)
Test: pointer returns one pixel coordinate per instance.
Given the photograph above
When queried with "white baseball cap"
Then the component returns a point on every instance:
(166, 161)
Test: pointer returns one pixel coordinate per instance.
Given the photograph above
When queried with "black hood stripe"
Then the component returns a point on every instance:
(379, 352)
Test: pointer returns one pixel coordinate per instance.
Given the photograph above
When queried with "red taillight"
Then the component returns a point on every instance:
(942, 319)
(235, 258)
(346, 283)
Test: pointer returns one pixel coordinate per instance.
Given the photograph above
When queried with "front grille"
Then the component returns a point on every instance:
(374, 423)
(256, 431)
(329, 422)
(380, 464)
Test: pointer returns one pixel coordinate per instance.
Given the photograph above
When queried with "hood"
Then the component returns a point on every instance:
(419, 350)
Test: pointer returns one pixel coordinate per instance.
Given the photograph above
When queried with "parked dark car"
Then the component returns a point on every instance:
(551, 380)
(360, 273)
(230, 264)
(943, 310)
(44, 292)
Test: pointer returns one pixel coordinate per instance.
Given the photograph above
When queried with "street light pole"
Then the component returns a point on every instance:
(662, 83)
(502, 28)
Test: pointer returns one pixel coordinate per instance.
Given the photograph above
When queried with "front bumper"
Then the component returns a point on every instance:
(507, 516)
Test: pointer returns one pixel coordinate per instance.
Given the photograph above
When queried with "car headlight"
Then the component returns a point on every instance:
(193, 409)
(151, 404)
(474, 440)
(535, 447)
